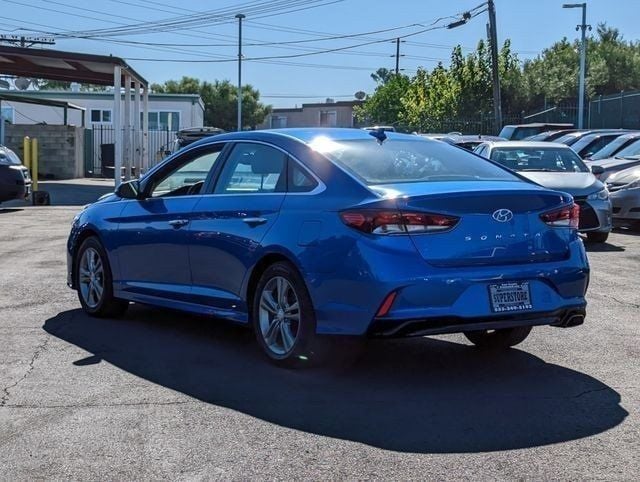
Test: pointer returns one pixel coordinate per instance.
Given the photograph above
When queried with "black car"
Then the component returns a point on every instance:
(520, 131)
(15, 182)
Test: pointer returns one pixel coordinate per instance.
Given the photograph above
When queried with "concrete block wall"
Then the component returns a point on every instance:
(61, 148)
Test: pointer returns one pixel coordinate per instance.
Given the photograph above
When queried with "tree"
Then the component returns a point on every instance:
(384, 106)
(221, 101)
(43, 84)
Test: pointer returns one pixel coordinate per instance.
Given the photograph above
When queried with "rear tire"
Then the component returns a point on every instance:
(283, 317)
(597, 237)
(498, 339)
(94, 282)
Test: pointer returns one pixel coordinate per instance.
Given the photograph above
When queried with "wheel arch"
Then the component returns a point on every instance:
(82, 235)
(266, 260)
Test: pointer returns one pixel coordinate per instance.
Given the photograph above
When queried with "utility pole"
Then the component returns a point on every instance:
(397, 55)
(493, 40)
(23, 40)
(240, 17)
(583, 57)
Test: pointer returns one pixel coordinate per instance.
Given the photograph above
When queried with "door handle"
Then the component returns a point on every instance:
(178, 223)
(254, 221)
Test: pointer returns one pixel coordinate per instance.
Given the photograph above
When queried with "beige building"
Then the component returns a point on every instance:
(328, 114)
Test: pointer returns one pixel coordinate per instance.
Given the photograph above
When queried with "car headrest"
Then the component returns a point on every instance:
(267, 162)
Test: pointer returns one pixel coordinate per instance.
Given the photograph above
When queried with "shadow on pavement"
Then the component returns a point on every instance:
(603, 247)
(8, 210)
(419, 395)
(71, 193)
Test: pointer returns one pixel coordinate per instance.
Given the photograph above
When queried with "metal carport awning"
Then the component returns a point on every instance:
(48, 102)
(130, 150)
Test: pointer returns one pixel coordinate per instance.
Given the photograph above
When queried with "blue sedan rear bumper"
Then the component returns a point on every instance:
(432, 300)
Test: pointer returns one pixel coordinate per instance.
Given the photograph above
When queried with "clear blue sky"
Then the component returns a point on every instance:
(531, 25)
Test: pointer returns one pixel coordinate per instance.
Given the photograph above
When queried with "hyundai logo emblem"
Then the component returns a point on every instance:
(502, 215)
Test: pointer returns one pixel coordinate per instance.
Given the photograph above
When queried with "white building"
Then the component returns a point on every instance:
(167, 112)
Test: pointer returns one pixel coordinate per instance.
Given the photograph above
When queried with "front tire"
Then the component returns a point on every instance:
(597, 237)
(283, 317)
(94, 281)
(498, 339)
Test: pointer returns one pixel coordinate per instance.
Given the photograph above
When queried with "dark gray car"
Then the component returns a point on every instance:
(15, 182)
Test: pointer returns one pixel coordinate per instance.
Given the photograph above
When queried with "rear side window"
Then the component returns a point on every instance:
(299, 180)
(253, 168)
(404, 160)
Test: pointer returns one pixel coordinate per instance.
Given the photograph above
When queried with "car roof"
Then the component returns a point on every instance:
(305, 135)
(542, 124)
(534, 144)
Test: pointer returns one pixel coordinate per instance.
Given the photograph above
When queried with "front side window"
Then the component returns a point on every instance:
(188, 177)
(406, 160)
(253, 168)
(551, 159)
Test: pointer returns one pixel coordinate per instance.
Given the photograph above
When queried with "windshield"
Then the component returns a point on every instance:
(631, 150)
(546, 159)
(610, 149)
(8, 157)
(403, 160)
(568, 139)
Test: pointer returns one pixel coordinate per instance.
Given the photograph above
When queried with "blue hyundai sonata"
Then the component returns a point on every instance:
(302, 233)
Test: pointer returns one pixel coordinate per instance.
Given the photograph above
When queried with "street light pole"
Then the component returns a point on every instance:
(240, 17)
(583, 57)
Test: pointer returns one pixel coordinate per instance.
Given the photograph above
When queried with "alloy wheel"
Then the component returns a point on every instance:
(279, 315)
(91, 277)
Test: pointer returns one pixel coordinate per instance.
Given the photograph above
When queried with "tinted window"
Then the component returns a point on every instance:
(507, 132)
(632, 149)
(188, 177)
(522, 132)
(612, 148)
(299, 180)
(593, 146)
(403, 160)
(253, 168)
(539, 159)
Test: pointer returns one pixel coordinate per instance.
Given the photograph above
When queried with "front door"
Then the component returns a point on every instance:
(153, 253)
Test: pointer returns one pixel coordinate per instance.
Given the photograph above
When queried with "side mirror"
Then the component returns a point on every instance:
(597, 170)
(129, 190)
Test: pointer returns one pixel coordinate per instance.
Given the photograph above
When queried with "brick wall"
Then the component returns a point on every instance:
(61, 148)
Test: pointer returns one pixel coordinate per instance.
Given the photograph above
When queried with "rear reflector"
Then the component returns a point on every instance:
(373, 221)
(567, 217)
(385, 307)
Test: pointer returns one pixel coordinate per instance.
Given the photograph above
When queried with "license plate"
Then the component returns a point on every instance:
(508, 297)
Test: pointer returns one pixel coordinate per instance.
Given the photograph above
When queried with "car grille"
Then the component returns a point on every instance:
(588, 217)
(615, 187)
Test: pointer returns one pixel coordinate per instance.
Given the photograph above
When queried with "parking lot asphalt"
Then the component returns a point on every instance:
(161, 395)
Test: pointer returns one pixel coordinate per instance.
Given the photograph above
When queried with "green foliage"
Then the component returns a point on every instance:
(384, 106)
(43, 84)
(221, 101)
(464, 89)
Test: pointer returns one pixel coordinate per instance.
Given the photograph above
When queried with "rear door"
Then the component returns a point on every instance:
(230, 221)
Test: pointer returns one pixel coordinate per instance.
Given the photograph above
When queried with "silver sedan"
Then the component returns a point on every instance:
(625, 196)
(557, 166)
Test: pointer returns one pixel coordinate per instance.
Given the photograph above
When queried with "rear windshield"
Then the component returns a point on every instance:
(403, 160)
(546, 159)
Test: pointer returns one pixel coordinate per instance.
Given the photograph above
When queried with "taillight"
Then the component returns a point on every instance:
(568, 217)
(394, 222)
